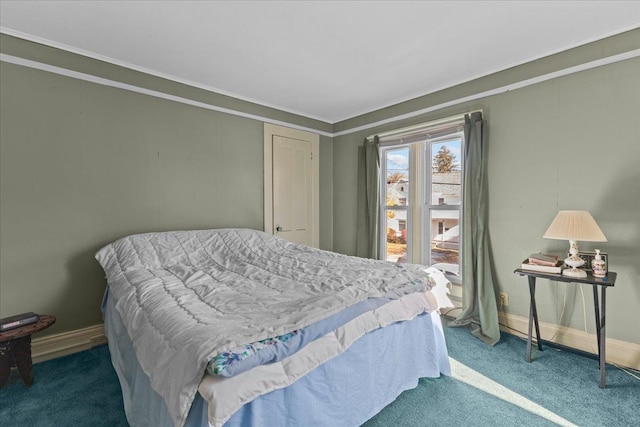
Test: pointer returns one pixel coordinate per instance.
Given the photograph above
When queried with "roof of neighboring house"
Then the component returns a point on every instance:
(444, 214)
(446, 178)
(451, 235)
(446, 189)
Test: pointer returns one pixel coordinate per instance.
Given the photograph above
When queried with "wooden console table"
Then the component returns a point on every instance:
(599, 304)
(15, 349)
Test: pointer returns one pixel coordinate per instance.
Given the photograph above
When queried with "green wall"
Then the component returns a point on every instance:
(83, 164)
(568, 143)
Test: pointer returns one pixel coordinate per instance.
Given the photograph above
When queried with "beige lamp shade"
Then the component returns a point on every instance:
(575, 225)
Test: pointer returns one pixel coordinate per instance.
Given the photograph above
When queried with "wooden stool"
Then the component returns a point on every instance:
(15, 349)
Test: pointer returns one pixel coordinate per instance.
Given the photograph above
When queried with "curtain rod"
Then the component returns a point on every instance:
(435, 122)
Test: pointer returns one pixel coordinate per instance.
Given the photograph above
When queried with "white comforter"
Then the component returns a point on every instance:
(187, 296)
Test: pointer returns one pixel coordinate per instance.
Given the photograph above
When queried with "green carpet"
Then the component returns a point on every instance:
(563, 383)
(78, 390)
(83, 390)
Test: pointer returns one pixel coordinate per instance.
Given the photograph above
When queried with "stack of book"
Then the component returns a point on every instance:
(543, 263)
(18, 321)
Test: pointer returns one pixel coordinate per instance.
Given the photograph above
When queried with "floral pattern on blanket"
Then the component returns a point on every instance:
(228, 358)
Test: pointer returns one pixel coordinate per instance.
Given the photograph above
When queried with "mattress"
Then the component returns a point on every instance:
(345, 391)
(185, 297)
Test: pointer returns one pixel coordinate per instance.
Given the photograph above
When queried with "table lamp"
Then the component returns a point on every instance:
(574, 226)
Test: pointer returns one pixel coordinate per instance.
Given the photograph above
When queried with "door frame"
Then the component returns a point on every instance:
(269, 131)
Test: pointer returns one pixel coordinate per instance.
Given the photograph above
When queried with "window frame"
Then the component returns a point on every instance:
(429, 207)
(419, 198)
(384, 208)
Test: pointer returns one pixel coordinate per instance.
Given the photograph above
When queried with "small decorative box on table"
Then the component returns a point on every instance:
(15, 349)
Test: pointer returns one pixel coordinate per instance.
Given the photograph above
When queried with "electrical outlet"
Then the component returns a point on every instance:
(504, 299)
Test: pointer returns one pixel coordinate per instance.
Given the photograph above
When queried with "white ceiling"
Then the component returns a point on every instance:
(326, 60)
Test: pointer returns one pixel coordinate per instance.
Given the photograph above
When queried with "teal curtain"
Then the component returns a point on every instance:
(368, 228)
(479, 306)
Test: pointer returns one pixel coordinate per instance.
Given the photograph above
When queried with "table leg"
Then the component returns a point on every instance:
(596, 305)
(23, 359)
(533, 317)
(6, 359)
(602, 339)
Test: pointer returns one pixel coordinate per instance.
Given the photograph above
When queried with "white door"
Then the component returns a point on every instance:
(291, 184)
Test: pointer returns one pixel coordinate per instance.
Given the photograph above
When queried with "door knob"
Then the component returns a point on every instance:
(278, 229)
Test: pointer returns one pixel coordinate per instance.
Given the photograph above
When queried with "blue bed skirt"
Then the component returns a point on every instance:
(345, 391)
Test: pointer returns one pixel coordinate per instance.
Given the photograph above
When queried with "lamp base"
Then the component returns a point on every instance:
(574, 272)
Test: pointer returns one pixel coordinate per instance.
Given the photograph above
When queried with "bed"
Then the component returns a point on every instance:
(236, 327)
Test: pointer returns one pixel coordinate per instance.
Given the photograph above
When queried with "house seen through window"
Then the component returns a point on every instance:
(422, 196)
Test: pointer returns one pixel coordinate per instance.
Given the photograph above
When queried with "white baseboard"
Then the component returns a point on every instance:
(58, 345)
(621, 353)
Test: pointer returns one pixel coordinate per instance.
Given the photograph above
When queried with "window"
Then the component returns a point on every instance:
(422, 194)
(443, 200)
(396, 202)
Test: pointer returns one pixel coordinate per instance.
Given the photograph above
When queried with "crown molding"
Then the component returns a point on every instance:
(518, 85)
(513, 86)
(116, 84)
(149, 71)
